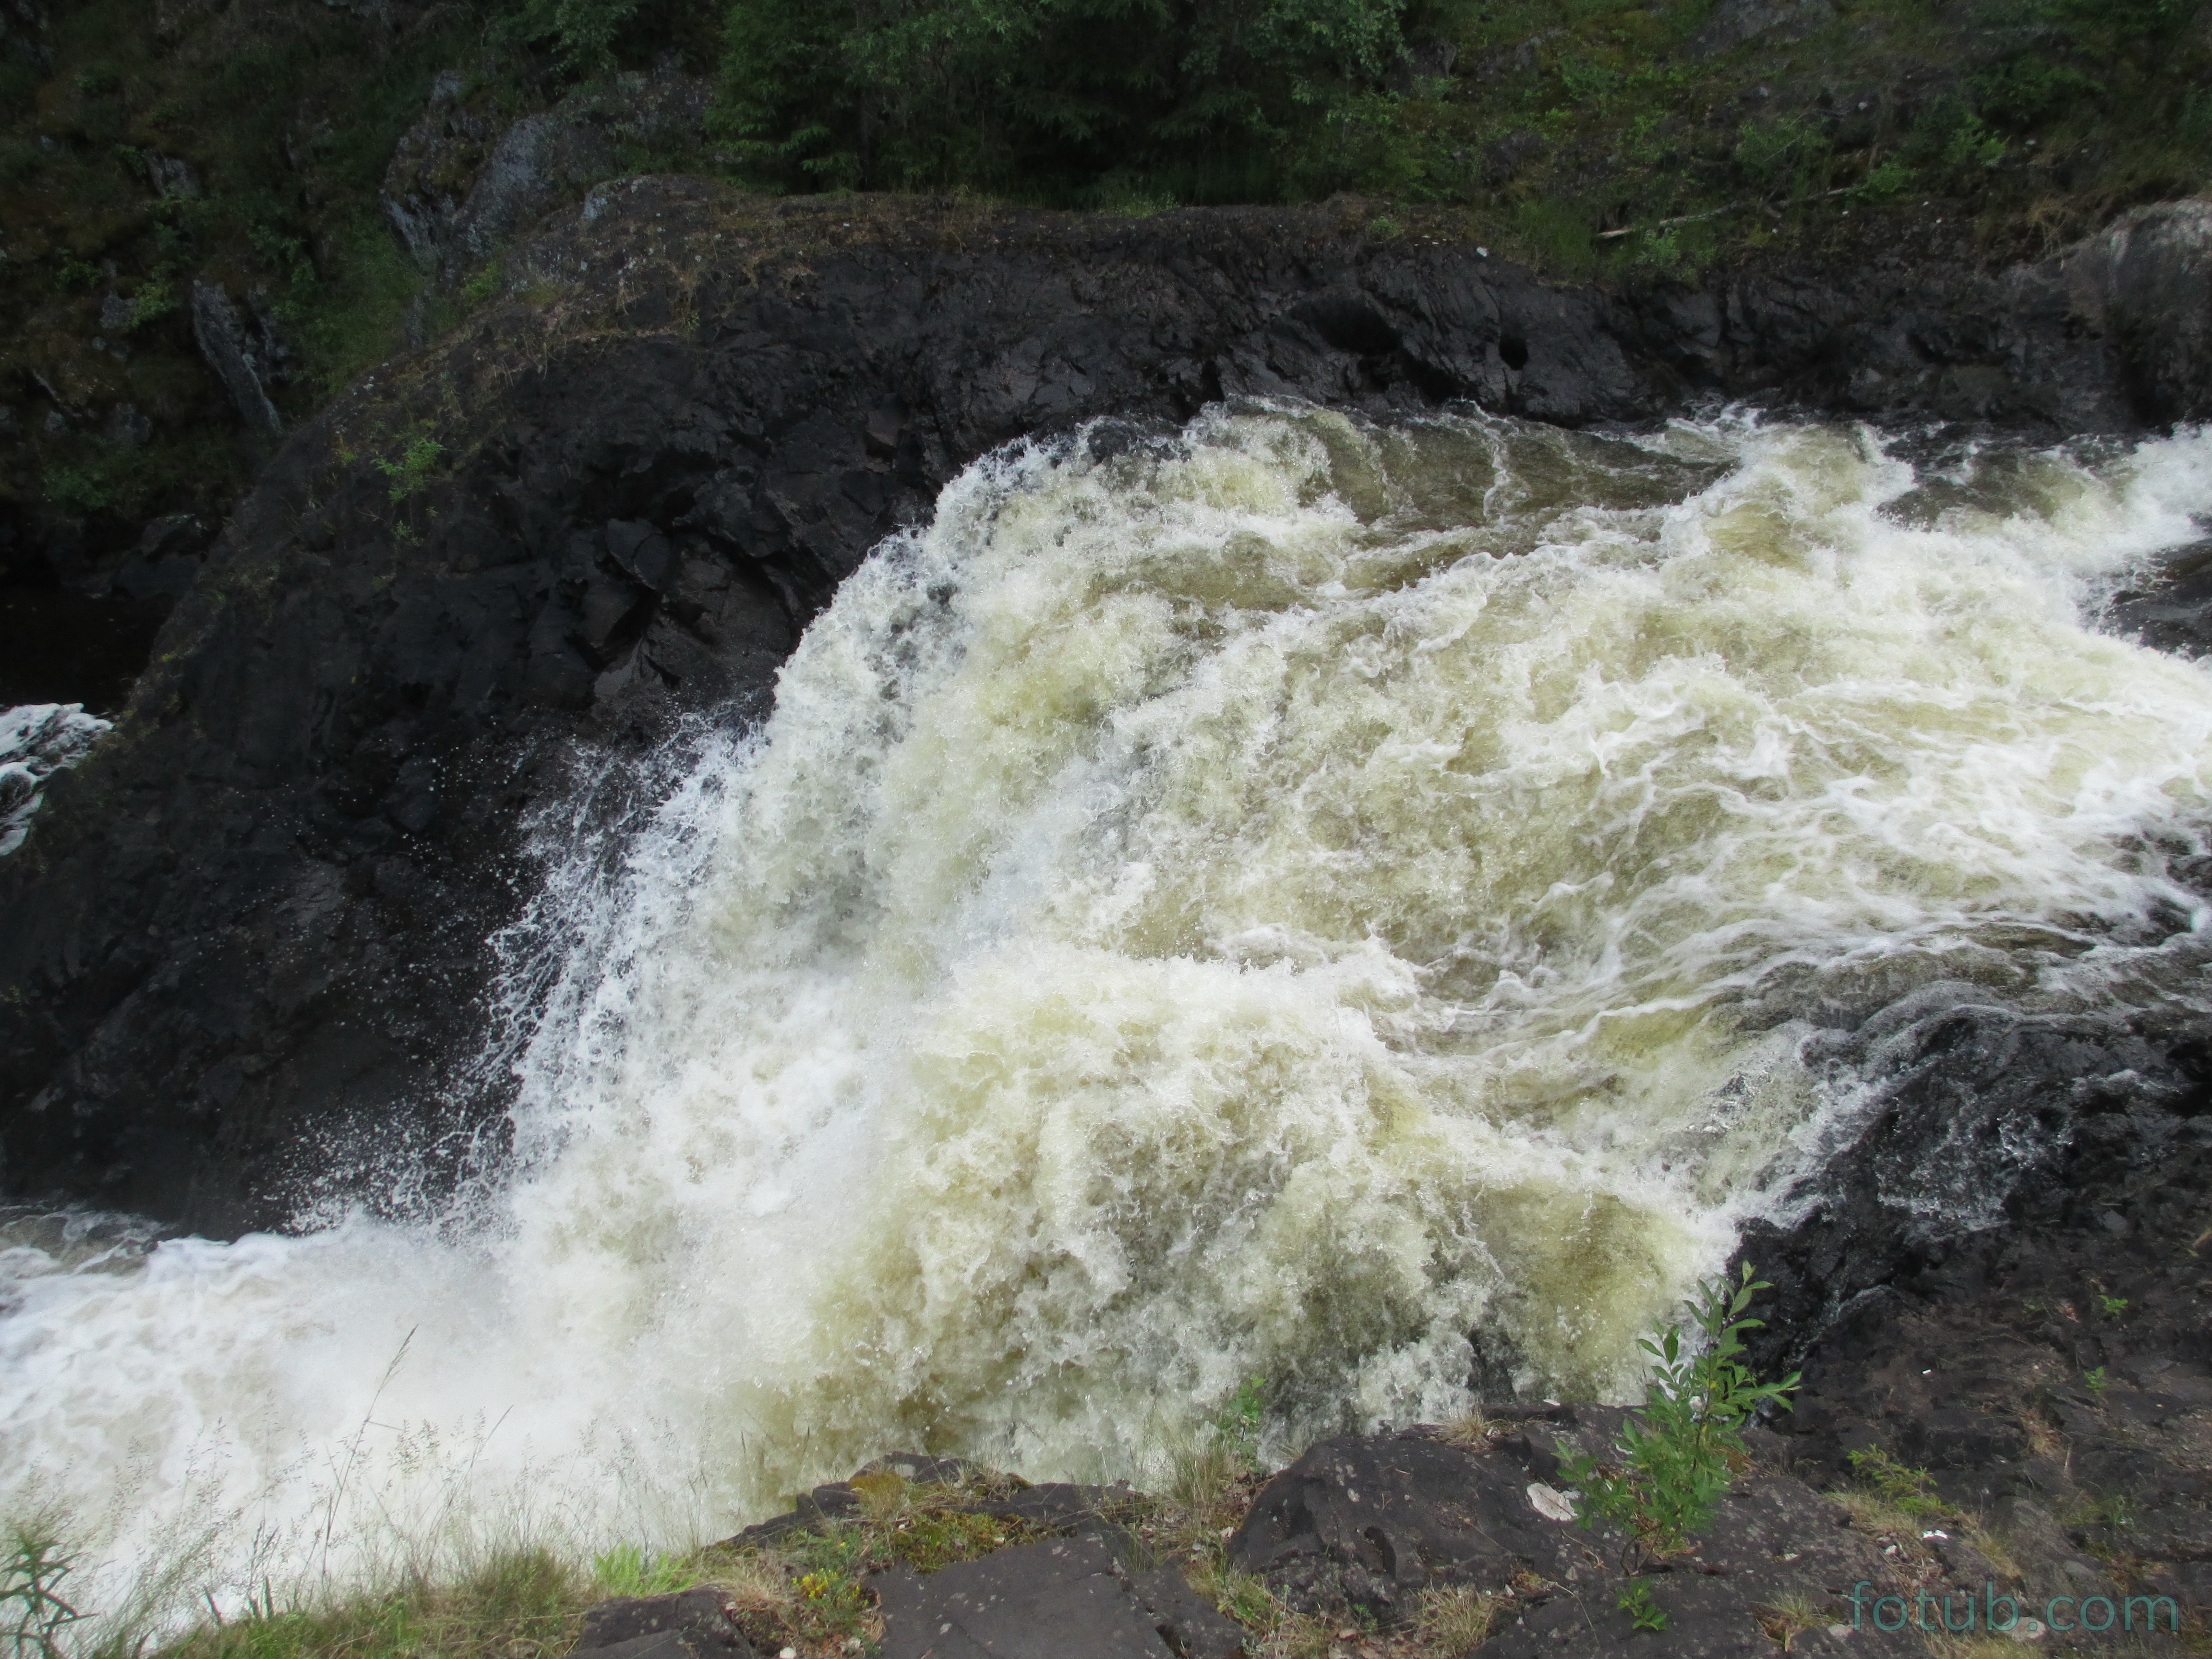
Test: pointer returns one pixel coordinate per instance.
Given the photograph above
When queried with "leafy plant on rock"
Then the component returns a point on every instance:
(1635, 1601)
(411, 472)
(1240, 1422)
(1681, 1452)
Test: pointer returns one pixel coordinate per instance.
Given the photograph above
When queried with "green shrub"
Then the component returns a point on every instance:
(153, 301)
(1886, 181)
(76, 275)
(2030, 91)
(486, 284)
(1781, 157)
(80, 490)
(1681, 1452)
(833, 1565)
(1047, 95)
(583, 32)
(1970, 145)
(356, 317)
(411, 472)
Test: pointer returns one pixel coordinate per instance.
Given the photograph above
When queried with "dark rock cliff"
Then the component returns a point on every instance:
(250, 932)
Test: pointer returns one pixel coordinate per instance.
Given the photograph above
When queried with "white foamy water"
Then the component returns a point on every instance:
(1259, 906)
(38, 740)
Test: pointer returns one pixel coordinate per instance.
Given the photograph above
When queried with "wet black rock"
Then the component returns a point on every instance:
(2051, 1376)
(1974, 1115)
(689, 1624)
(247, 942)
(1048, 1505)
(1370, 1522)
(1089, 1587)
(831, 1502)
(1058, 1503)
(2172, 609)
(1060, 1599)
(1189, 1624)
(920, 1469)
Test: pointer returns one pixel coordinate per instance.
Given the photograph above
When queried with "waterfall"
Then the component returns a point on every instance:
(1261, 902)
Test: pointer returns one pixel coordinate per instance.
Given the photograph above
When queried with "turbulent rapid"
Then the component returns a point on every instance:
(1261, 902)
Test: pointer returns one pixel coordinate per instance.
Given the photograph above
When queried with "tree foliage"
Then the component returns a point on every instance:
(1072, 99)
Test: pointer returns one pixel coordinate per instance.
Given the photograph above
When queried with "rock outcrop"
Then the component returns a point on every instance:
(688, 1624)
(460, 185)
(255, 923)
(2139, 289)
(243, 350)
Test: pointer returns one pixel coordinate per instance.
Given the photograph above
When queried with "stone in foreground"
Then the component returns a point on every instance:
(689, 1625)
(1058, 1599)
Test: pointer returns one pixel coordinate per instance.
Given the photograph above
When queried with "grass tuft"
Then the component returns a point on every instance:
(1300, 1635)
(1470, 1432)
(33, 1613)
(517, 1604)
(1454, 1622)
(1789, 1617)
(628, 1570)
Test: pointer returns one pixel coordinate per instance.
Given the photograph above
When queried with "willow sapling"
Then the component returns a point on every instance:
(1679, 1452)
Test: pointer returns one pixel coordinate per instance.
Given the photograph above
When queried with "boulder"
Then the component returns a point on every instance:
(461, 186)
(692, 1624)
(241, 350)
(2140, 285)
(1060, 1599)
(1369, 1522)
(1050, 1504)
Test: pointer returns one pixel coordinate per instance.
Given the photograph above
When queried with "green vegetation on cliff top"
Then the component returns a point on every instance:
(1591, 137)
